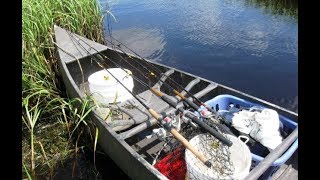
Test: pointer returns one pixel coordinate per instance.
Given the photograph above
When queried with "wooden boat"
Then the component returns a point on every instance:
(126, 143)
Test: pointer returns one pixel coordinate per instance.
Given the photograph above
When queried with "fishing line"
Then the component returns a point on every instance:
(151, 73)
(219, 127)
(109, 22)
(203, 125)
(190, 103)
(162, 118)
(160, 72)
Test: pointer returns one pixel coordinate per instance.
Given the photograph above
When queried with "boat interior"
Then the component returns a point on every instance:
(132, 122)
(138, 133)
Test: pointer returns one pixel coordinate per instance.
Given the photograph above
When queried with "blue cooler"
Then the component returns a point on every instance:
(222, 102)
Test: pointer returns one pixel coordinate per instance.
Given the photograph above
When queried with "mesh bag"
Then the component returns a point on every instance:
(179, 163)
(217, 153)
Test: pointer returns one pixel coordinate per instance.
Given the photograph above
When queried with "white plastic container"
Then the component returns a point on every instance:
(240, 156)
(106, 89)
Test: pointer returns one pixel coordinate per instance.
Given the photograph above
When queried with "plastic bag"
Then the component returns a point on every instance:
(262, 125)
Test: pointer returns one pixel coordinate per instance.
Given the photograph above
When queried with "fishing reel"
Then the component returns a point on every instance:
(169, 121)
(212, 120)
(205, 113)
(188, 120)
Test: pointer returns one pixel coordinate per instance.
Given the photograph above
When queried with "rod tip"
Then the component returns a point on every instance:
(208, 164)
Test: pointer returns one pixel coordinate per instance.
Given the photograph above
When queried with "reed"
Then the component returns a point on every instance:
(49, 118)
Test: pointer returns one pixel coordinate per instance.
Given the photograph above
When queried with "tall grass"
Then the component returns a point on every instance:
(48, 117)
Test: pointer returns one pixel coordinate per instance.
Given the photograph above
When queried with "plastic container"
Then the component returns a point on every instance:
(222, 102)
(106, 89)
(240, 156)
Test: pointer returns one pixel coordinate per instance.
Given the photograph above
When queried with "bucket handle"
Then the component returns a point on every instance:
(244, 137)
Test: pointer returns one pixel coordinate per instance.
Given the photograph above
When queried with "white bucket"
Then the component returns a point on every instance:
(106, 89)
(240, 156)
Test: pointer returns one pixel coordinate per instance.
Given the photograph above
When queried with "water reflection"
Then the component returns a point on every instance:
(247, 36)
(278, 7)
(228, 28)
(148, 43)
(238, 43)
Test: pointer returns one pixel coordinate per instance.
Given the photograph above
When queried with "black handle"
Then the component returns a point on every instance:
(209, 129)
(191, 104)
(225, 129)
(169, 101)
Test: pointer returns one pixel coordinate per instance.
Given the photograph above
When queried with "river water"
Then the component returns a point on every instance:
(249, 45)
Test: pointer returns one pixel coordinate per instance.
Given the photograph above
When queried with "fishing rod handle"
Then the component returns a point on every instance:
(169, 101)
(209, 129)
(191, 104)
(180, 138)
(186, 143)
(154, 114)
(164, 97)
(224, 128)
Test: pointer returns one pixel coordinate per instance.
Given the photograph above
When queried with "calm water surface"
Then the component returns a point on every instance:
(238, 43)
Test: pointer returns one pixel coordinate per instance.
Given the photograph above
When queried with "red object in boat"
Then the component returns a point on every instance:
(173, 166)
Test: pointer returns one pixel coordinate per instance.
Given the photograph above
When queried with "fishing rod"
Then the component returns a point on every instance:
(177, 84)
(165, 98)
(162, 118)
(204, 112)
(173, 104)
(190, 103)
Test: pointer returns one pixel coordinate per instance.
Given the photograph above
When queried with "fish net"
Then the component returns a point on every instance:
(216, 152)
(180, 164)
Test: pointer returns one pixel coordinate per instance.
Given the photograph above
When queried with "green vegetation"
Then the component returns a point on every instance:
(49, 118)
(279, 7)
